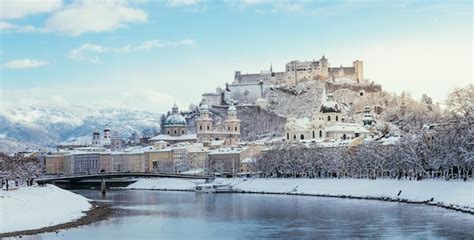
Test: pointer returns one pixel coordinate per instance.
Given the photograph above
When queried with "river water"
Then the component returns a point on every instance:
(189, 215)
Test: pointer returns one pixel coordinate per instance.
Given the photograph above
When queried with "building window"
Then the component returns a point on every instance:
(207, 127)
(228, 128)
(302, 137)
(174, 131)
(329, 118)
(294, 137)
(236, 129)
(337, 118)
(314, 135)
(344, 137)
(288, 136)
(357, 135)
(320, 133)
(182, 131)
(200, 127)
(168, 132)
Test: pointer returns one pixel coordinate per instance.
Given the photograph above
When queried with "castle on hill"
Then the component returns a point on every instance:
(251, 88)
(302, 71)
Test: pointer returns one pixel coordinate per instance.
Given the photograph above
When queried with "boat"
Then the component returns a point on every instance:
(214, 188)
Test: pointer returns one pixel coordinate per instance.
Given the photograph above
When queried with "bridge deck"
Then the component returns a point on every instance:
(119, 175)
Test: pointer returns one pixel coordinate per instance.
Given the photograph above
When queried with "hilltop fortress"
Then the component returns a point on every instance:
(255, 88)
(297, 71)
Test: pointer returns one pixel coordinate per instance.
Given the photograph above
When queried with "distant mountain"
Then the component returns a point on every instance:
(47, 126)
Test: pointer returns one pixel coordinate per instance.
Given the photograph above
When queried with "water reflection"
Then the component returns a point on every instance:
(186, 215)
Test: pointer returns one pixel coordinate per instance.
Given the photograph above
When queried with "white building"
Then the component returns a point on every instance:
(327, 124)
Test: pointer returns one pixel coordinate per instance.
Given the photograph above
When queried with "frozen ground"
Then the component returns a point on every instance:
(37, 207)
(447, 193)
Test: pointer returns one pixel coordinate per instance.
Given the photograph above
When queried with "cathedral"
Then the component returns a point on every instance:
(227, 131)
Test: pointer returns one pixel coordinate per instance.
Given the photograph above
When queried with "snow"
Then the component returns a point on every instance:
(347, 127)
(444, 192)
(37, 207)
(165, 184)
(165, 137)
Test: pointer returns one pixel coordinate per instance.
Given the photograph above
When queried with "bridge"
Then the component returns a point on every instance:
(114, 179)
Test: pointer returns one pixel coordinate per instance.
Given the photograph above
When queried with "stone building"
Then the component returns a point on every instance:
(175, 129)
(81, 163)
(302, 71)
(227, 161)
(160, 160)
(54, 164)
(327, 124)
(228, 131)
(175, 124)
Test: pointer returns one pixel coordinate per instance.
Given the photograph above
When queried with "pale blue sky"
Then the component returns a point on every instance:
(149, 54)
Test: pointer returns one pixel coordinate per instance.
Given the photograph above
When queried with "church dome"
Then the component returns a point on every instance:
(175, 120)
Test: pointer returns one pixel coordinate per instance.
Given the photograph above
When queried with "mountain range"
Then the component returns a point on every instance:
(46, 126)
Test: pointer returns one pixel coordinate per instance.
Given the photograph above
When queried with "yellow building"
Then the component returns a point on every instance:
(105, 160)
(160, 160)
(54, 164)
(197, 156)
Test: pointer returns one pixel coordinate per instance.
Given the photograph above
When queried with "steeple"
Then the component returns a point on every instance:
(175, 109)
(271, 67)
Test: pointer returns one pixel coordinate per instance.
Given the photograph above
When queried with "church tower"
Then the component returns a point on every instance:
(204, 124)
(232, 125)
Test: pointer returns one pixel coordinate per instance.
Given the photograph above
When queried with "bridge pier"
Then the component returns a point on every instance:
(103, 187)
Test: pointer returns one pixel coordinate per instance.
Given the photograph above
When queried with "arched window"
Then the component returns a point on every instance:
(294, 137)
(168, 132)
(344, 137)
(207, 127)
(314, 136)
(182, 131)
(302, 137)
(236, 129)
(288, 136)
(320, 133)
(175, 131)
(329, 118)
(337, 118)
(200, 127)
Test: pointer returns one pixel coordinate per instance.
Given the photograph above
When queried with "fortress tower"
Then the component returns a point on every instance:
(359, 70)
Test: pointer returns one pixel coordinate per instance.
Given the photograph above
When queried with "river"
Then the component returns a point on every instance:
(187, 215)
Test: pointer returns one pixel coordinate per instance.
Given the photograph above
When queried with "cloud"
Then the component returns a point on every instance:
(89, 52)
(102, 94)
(181, 3)
(15, 9)
(25, 63)
(94, 16)
(6, 26)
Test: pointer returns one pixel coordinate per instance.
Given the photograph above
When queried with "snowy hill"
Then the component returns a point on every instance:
(49, 125)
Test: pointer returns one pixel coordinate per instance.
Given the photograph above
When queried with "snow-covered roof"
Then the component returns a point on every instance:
(175, 120)
(346, 127)
(248, 160)
(166, 137)
(300, 124)
(228, 150)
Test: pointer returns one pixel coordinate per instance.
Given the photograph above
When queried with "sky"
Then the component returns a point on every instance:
(147, 55)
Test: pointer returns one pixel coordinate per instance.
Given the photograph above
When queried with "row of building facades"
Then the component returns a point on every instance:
(179, 158)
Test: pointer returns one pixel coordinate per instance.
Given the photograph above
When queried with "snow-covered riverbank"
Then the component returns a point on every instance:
(453, 194)
(37, 207)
